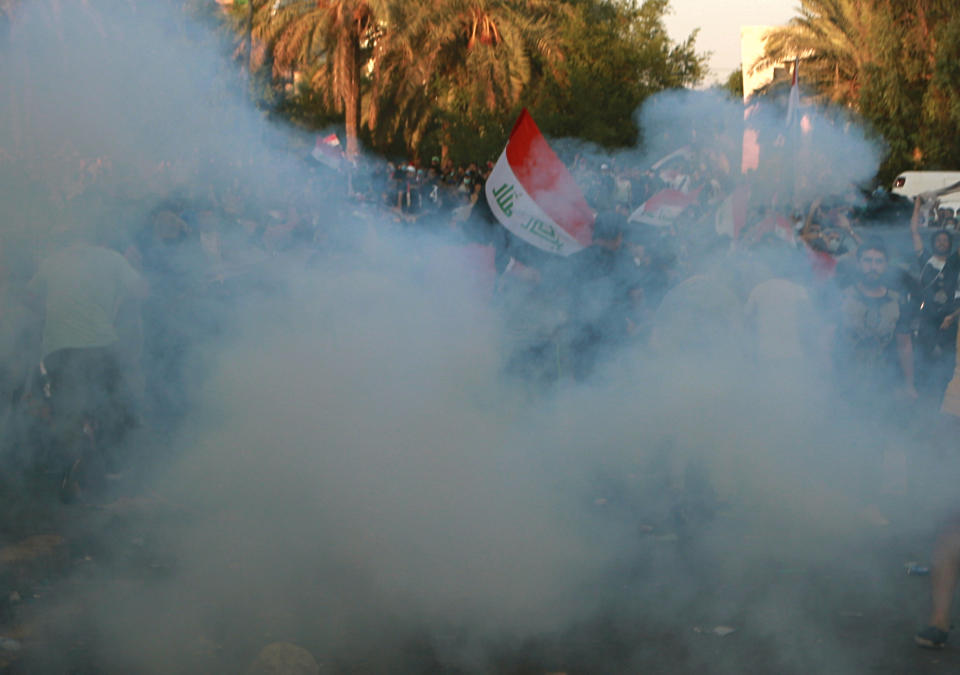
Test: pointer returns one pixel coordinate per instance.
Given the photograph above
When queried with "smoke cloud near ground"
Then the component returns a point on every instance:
(360, 472)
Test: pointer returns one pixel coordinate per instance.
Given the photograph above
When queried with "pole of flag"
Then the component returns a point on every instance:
(793, 133)
(793, 105)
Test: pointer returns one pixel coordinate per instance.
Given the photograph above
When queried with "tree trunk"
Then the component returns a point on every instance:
(250, 40)
(445, 143)
(351, 107)
(350, 93)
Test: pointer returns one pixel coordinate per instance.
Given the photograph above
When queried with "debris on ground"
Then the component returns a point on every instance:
(719, 631)
(9, 645)
(284, 658)
(38, 550)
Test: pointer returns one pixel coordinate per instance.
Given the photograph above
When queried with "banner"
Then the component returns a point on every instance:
(533, 195)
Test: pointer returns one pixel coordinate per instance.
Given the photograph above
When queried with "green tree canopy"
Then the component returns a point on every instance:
(447, 60)
(833, 39)
(734, 84)
(425, 73)
(894, 63)
(620, 54)
(328, 38)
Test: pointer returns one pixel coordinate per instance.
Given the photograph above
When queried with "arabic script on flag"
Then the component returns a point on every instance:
(533, 195)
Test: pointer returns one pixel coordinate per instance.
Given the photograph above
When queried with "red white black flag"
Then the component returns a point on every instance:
(533, 195)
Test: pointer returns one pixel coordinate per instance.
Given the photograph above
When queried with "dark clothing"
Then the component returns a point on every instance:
(90, 413)
(936, 288)
(938, 283)
(86, 386)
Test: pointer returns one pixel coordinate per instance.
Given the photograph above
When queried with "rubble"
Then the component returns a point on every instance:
(39, 555)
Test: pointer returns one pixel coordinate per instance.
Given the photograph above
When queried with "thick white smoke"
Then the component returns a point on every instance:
(358, 471)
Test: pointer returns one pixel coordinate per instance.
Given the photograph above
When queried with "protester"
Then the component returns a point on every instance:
(872, 320)
(17, 328)
(943, 585)
(951, 397)
(83, 289)
(782, 322)
(939, 267)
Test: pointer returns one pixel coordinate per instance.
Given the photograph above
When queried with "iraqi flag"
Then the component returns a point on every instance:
(663, 208)
(533, 195)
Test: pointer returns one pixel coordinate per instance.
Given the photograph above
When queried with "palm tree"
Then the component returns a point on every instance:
(423, 58)
(459, 58)
(329, 38)
(833, 40)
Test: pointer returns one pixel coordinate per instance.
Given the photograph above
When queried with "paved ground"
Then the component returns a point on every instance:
(668, 610)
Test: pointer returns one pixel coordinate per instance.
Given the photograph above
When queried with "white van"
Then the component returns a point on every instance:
(912, 183)
(934, 185)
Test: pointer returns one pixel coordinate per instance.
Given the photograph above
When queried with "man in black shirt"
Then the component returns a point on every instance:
(936, 288)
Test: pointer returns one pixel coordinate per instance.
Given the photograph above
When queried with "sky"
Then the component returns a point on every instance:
(719, 25)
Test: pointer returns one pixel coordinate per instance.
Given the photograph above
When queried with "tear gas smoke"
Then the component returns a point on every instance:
(356, 469)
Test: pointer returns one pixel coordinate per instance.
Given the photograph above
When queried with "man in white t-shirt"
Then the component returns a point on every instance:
(781, 315)
(82, 290)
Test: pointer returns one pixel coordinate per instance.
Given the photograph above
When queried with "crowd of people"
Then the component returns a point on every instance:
(788, 287)
(809, 284)
(99, 331)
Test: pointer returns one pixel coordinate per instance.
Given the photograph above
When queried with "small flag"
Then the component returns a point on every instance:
(663, 208)
(731, 215)
(327, 151)
(533, 195)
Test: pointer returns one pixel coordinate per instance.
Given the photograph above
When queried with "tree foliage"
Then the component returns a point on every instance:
(440, 61)
(895, 63)
(619, 55)
(734, 84)
(832, 37)
(329, 39)
(425, 73)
